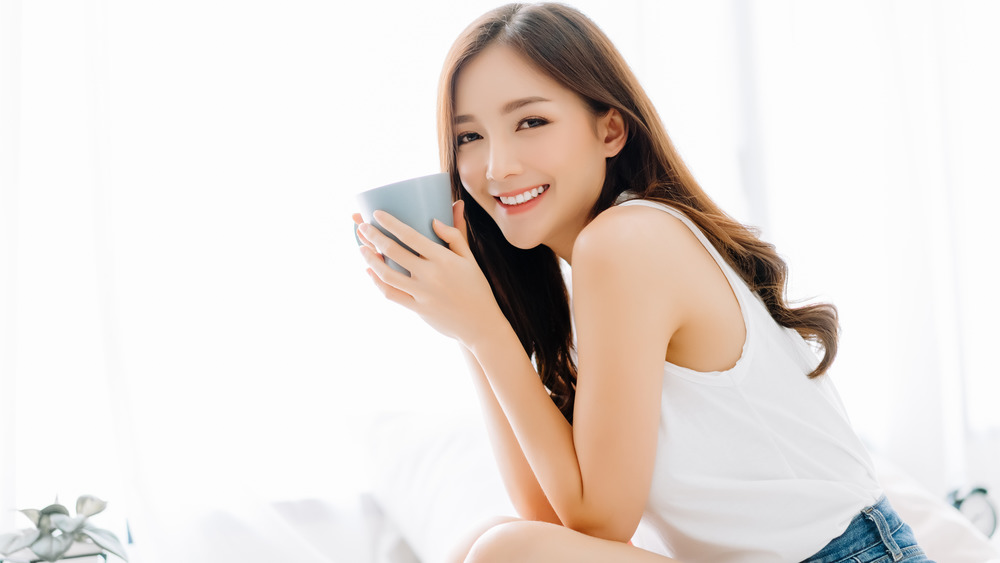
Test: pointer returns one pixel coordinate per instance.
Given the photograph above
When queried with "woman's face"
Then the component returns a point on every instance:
(530, 151)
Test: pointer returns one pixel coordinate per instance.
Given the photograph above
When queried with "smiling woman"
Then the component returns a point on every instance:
(684, 400)
(183, 330)
(518, 130)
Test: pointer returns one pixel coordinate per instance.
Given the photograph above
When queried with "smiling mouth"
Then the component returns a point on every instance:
(523, 197)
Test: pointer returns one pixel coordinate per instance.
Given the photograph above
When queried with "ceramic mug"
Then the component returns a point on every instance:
(416, 202)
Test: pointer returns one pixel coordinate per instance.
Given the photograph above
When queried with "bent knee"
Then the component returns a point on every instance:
(508, 541)
(460, 552)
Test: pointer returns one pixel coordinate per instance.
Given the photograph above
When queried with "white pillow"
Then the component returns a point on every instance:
(437, 479)
(945, 535)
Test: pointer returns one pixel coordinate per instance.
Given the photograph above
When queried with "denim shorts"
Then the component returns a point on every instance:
(876, 535)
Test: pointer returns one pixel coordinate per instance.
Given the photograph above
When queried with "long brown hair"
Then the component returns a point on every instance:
(528, 284)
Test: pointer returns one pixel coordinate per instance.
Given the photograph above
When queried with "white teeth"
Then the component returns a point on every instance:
(523, 197)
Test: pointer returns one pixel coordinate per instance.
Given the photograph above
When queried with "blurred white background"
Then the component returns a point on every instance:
(185, 323)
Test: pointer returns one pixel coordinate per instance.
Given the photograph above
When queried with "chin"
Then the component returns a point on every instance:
(522, 242)
(523, 245)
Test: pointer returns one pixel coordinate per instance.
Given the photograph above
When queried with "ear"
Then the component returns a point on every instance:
(611, 127)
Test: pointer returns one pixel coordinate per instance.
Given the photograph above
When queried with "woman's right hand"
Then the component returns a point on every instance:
(445, 287)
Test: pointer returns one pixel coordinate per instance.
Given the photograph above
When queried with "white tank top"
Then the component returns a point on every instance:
(757, 463)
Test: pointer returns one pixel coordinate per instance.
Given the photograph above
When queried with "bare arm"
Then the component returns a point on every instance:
(520, 482)
(522, 487)
(596, 475)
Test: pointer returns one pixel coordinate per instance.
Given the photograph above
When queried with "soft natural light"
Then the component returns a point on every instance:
(185, 323)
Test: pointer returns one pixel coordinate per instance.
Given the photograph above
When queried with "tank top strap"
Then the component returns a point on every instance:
(750, 306)
(739, 286)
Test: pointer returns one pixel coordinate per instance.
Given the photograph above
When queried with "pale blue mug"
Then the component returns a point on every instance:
(416, 202)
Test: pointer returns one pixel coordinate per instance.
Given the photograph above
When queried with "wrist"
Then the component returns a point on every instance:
(490, 329)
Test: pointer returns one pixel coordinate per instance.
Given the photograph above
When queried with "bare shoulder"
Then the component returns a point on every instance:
(634, 233)
(650, 254)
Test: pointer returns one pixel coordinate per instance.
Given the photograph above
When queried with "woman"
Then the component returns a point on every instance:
(680, 404)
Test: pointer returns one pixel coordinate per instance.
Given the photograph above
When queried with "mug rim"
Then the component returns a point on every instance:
(406, 181)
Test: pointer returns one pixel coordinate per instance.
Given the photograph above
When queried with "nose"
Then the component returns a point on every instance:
(503, 161)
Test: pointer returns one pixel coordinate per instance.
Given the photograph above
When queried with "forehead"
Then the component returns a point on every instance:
(498, 75)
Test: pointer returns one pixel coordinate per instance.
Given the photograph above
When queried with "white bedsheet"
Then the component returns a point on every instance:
(434, 479)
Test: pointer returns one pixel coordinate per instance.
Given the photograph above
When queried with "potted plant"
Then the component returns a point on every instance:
(56, 532)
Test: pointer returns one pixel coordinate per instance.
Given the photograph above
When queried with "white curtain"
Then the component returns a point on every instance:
(878, 124)
(185, 326)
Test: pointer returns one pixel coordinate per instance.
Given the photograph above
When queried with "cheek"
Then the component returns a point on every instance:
(582, 157)
(472, 172)
(464, 165)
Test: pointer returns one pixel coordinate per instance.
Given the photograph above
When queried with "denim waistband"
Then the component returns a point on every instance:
(872, 528)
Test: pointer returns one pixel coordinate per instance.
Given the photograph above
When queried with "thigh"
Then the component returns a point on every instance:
(541, 542)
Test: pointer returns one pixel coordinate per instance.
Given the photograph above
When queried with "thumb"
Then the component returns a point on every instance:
(454, 237)
(458, 212)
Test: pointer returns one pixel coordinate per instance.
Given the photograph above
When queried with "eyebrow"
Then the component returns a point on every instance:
(507, 108)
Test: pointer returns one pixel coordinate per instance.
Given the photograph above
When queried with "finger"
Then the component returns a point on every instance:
(358, 221)
(362, 239)
(385, 273)
(458, 218)
(407, 235)
(391, 293)
(454, 237)
(388, 247)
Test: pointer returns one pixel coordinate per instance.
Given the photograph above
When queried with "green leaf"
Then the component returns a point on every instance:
(105, 539)
(66, 524)
(88, 505)
(32, 515)
(12, 543)
(50, 547)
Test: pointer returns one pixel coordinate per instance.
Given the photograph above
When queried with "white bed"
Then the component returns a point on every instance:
(433, 478)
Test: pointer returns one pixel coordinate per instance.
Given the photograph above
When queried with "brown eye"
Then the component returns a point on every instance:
(531, 123)
(467, 138)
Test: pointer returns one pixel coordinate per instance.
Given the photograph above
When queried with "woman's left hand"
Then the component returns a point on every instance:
(446, 287)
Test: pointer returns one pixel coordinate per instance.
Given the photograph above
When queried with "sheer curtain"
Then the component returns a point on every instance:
(877, 121)
(185, 327)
